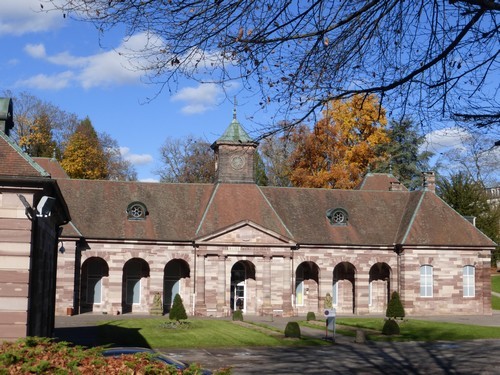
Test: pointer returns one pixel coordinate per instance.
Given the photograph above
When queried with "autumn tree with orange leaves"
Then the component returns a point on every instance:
(341, 146)
(84, 156)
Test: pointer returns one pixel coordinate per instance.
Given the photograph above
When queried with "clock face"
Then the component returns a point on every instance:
(237, 162)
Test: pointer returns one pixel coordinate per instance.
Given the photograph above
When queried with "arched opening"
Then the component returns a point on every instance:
(174, 272)
(306, 286)
(91, 292)
(379, 287)
(134, 273)
(343, 293)
(241, 272)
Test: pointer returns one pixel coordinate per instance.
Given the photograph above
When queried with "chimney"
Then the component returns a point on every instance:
(429, 181)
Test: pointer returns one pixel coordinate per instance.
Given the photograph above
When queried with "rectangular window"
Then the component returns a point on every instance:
(469, 281)
(426, 283)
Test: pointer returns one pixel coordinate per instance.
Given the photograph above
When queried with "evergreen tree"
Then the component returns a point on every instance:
(395, 308)
(402, 156)
(469, 198)
(177, 312)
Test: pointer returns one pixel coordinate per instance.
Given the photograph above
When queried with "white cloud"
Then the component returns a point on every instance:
(108, 68)
(47, 82)
(18, 17)
(149, 180)
(198, 99)
(135, 159)
(35, 50)
(443, 140)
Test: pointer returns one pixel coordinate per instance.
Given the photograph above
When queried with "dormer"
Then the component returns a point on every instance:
(235, 155)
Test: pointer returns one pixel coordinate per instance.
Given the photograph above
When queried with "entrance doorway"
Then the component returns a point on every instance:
(240, 273)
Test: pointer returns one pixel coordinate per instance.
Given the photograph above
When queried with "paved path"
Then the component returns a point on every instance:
(342, 357)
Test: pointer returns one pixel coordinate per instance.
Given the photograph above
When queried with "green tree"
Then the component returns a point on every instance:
(469, 198)
(343, 144)
(260, 171)
(84, 156)
(402, 155)
(177, 312)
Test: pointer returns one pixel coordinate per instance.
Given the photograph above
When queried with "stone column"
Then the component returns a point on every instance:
(200, 308)
(267, 308)
(287, 286)
(222, 300)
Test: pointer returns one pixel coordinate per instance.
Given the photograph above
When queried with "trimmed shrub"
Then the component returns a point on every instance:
(311, 316)
(395, 308)
(238, 315)
(292, 329)
(177, 312)
(391, 327)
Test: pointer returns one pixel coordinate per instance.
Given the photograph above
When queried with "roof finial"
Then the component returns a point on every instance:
(234, 109)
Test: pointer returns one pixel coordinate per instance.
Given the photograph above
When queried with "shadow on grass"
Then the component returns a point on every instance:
(101, 335)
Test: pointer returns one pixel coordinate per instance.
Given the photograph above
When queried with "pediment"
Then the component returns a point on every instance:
(246, 233)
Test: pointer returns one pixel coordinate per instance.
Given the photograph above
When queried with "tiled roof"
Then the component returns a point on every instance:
(379, 181)
(15, 162)
(185, 212)
(52, 166)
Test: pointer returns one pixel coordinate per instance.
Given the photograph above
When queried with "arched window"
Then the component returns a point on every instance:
(426, 282)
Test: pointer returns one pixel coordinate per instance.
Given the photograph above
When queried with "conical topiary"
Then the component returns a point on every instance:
(177, 312)
(395, 308)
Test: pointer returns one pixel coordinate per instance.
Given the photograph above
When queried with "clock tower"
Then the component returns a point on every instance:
(235, 155)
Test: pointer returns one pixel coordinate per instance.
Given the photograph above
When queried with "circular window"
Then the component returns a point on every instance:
(337, 216)
(136, 211)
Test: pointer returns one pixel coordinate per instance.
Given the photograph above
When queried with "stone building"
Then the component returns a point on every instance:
(266, 250)
(32, 211)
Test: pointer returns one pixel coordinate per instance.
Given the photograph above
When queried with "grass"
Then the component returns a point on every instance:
(495, 283)
(202, 333)
(495, 303)
(420, 330)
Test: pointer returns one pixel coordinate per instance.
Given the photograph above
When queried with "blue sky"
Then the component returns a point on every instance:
(61, 61)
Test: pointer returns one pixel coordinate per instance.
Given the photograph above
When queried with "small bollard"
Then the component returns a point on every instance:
(360, 337)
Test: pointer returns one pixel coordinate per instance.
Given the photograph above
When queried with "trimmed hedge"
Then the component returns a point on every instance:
(311, 316)
(391, 327)
(292, 329)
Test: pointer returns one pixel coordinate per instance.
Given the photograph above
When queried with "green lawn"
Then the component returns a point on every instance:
(202, 333)
(420, 330)
(210, 333)
(495, 283)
